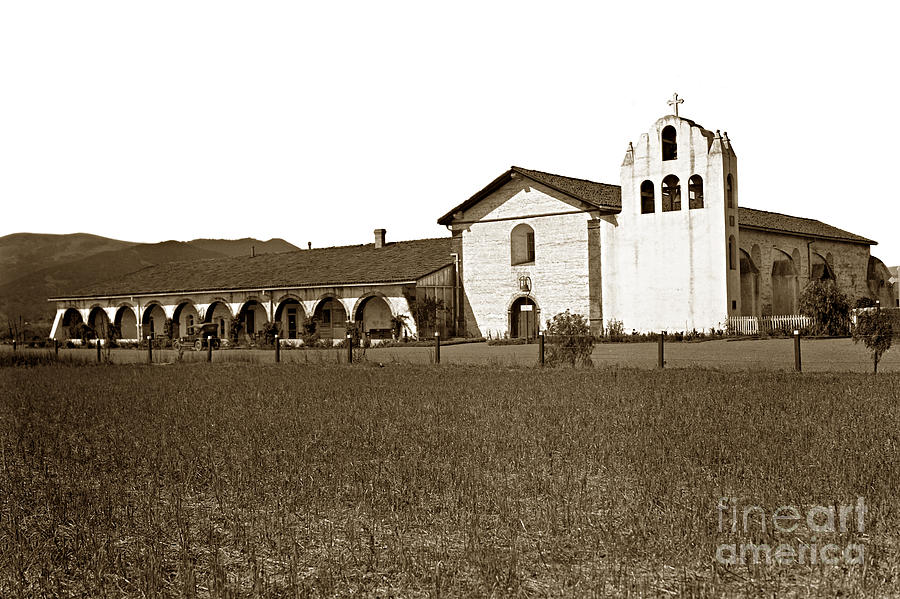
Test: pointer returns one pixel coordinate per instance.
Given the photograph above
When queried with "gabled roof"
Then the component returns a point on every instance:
(402, 261)
(774, 222)
(601, 196)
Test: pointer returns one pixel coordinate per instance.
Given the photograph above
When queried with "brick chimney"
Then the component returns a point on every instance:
(379, 238)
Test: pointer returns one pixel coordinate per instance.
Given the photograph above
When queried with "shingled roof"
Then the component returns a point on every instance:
(602, 196)
(773, 221)
(401, 261)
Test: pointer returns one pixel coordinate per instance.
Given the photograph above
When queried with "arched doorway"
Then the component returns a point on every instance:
(749, 286)
(126, 322)
(69, 327)
(253, 318)
(524, 318)
(219, 313)
(373, 315)
(290, 316)
(99, 322)
(185, 320)
(154, 321)
(785, 284)
(331, 319)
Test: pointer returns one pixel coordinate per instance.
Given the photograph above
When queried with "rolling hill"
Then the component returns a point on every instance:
(34, 267)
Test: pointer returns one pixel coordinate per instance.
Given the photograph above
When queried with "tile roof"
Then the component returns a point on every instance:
(395, 262)
(601, 195)
(808, 227)
(597, 195)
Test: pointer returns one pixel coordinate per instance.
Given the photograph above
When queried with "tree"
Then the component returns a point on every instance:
(570, 339)
(826, 303)
(875, 329)
(425, 312)
(236, 327)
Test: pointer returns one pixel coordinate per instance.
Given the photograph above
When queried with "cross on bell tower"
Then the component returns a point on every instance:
(675, 101)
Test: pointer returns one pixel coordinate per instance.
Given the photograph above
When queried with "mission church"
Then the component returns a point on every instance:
(669, 248)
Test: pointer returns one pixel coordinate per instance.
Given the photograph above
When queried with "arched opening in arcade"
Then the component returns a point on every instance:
(374, 317)
(290, 318)
(253, 318)
(126, 322)
(99, 323)
(185, 320)
(330, 318)
(69, 325)
(220, 314)
(153, 322)
(524, 318)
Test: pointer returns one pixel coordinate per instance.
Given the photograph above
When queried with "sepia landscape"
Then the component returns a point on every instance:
(418, 300)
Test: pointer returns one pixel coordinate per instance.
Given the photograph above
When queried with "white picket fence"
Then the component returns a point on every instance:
(750, 325)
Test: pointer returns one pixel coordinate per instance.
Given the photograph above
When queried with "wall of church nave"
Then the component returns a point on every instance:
(768, 251)
(666, 271)
(557, 278)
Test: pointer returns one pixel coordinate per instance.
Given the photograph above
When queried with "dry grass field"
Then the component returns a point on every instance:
(255, 480)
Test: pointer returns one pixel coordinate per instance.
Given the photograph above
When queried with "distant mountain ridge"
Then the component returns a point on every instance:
(241, 247)
(34, 266)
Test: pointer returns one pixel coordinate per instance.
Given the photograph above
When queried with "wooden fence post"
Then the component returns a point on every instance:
(541, 346)
(209, 348)
(661, 350)
(277, 349)
(149, 349)
(349, 349)
(99, 357)
(56, 347)
(797, 365)
(437, 347)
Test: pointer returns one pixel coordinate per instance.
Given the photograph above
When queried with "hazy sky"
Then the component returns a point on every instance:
(317, 121)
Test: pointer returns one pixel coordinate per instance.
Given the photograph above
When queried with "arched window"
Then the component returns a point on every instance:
(669, 143)
(731, 253)
(695, 192)
(521, 245)
(671, 194)
(648, 202)
(729, 192)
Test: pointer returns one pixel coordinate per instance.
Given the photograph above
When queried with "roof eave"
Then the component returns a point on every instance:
(861, 241)
(490, 188)
(238, 290)
(494, 185)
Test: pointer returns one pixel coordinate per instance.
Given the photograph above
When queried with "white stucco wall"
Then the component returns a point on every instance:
(669, 270)
(559, 274)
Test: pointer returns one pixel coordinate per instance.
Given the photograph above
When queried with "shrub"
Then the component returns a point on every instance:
(269, 330)
(615, 330)
(865, 302)
(569, 336)
(236, 328)
(826, 303)
(169, 328)
(875, 330)
(399, 326)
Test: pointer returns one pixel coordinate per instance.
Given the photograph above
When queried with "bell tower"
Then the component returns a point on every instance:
(672, 252)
